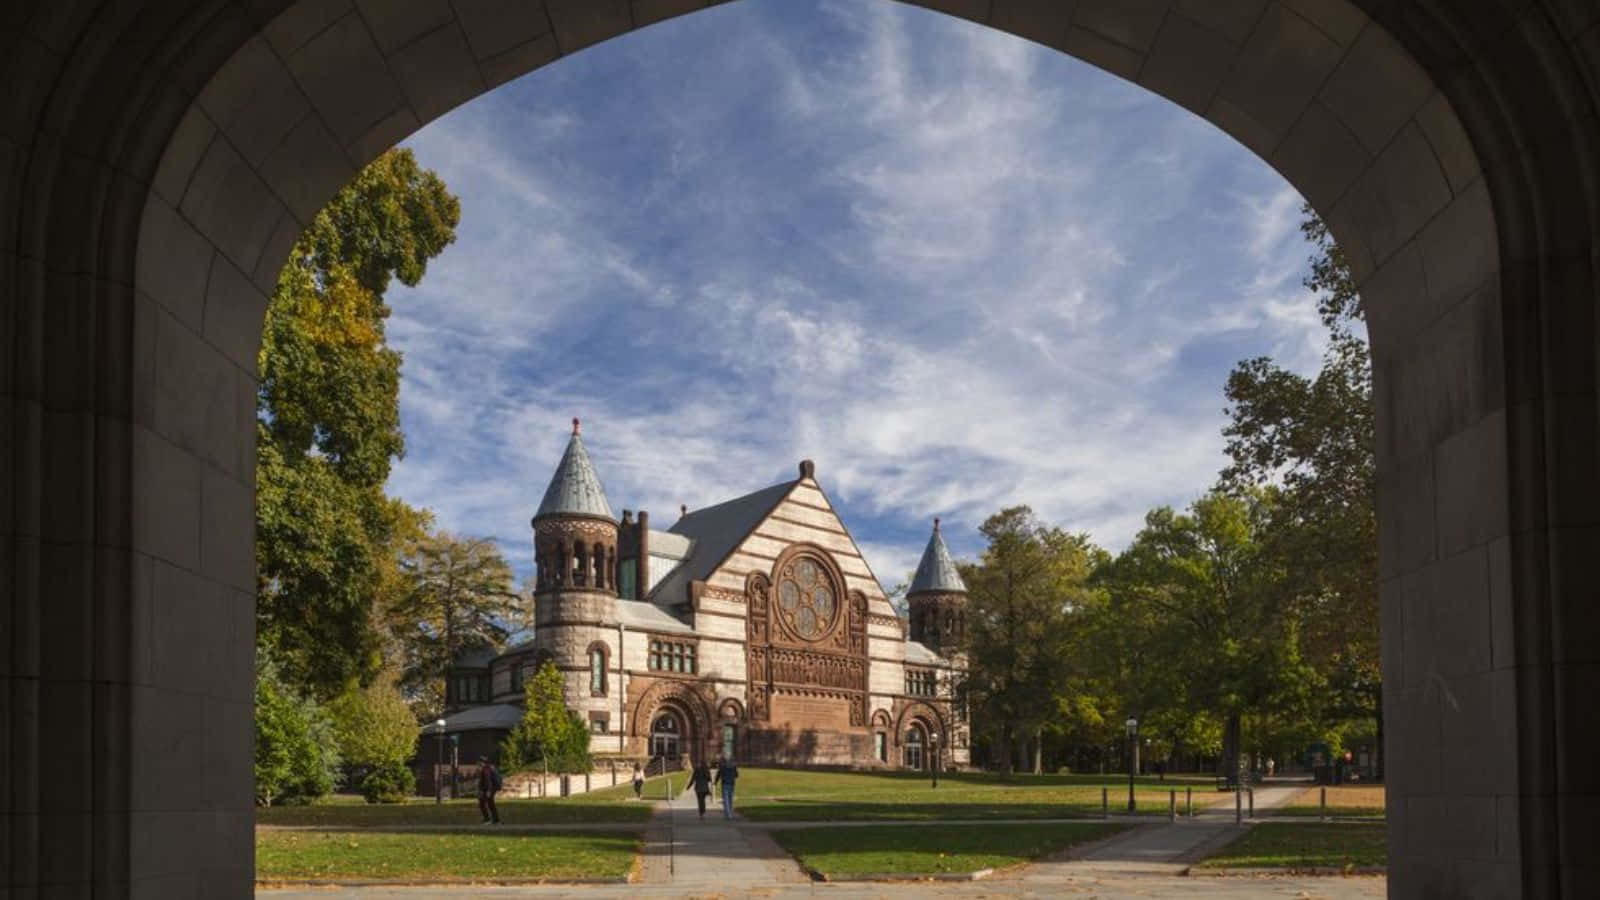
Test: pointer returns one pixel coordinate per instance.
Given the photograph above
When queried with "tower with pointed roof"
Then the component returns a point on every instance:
(937, 598)
(574, 534)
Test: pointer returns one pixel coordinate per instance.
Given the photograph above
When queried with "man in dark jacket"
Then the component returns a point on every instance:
(488, 784)
(727, 774)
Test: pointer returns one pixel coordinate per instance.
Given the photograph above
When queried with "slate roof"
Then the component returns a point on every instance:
(493, 715)
(642, 615)
(920, 654)
(715, 531)
(575, 488)
(936, 571)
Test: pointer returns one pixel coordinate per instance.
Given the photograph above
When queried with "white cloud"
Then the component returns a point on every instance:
(956, 269)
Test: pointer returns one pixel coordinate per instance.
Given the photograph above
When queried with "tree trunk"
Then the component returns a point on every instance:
(1228, 765)
(1378, 751)
(1038, 752)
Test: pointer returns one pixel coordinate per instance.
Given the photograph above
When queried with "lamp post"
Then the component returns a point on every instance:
(438, 763)
(933, 738)
(1133, 756)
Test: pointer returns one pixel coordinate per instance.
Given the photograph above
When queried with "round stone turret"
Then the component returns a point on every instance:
(937, 598)
(574, 532)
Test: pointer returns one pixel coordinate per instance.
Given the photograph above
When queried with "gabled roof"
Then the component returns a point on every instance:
(936, 571)
(575, 488)
(715, 531)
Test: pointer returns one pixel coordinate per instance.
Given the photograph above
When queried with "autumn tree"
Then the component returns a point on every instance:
(328, 424)
(458, 595)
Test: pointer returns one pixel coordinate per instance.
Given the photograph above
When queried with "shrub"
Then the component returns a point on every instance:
(389, 783)
(296, 757)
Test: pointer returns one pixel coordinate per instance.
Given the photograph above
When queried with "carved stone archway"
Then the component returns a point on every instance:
(684, 698)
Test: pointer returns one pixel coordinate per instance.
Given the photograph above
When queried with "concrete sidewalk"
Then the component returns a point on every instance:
(711, 855)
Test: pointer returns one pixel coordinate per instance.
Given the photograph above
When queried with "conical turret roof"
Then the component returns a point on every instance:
(937, 571)
(575, 488)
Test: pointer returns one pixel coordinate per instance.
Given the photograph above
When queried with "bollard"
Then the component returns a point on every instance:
(1188, 799)
(586, 782)
(1172, 806)
(1238, 810)
(1105, 804)
(1252, 792)
(1324, 805)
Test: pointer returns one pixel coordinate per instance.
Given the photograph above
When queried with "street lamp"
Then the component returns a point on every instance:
(438, 763)
(1133, 756)
(934, 740)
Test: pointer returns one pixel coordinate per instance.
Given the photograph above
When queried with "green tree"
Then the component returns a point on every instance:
(296, 757)
(1022, 595)
(549, 735)
(458, 594)
(373, 725)
(1200, 597)
(1315, 437)
(328, 421)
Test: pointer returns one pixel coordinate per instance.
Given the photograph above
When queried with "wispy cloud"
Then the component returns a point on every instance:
(958, 270)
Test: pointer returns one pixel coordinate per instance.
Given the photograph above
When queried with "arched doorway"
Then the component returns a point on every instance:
(915, 753)
(163, 157)
(668, 735)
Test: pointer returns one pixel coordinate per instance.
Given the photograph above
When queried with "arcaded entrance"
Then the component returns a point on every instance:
(161, 157)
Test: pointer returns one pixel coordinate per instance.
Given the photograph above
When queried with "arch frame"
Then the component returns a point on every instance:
(163, 157)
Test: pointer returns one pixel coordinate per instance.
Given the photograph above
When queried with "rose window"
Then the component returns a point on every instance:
(806, 599)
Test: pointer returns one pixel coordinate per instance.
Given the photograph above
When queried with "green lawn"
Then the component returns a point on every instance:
(610, 805)
(290, 855)
(1337, 845)
(772, 795)
(913, 850)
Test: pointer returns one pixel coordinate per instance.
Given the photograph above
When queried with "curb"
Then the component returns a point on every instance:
(1256, 872)
(900, 876)
(284, 883)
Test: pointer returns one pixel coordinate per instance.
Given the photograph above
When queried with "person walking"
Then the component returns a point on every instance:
(727, 774)
(701, 781)
(489, 784)
(638, 782)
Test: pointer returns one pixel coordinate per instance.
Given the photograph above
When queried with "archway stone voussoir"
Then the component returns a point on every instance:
(437, 72)
(173, 262)
(396, 23)
(307, 168)
(1376, 89)
(347, 79)
(230, 205)
(1187, 62)
(254, 100)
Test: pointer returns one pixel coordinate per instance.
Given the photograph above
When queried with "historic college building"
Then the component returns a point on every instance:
(753, 627)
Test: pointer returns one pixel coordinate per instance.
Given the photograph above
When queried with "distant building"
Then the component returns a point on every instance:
(753, 627)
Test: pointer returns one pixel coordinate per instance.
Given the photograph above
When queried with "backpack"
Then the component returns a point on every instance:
(495, 779)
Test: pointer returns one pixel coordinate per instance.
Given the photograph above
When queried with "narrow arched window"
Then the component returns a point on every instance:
(597, 670)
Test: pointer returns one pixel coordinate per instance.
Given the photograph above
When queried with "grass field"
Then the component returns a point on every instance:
(913, 850)
(1285, 845)
(610, 805)
(290, 855)
(772, 795)
(1344, 801)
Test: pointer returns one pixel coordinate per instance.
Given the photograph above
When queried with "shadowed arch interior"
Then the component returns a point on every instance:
(160, 159)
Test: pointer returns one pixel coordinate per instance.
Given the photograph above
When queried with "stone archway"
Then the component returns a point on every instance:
(160, 157)
(684, 701)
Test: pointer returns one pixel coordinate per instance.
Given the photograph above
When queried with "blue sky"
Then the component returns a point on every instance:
(958, 270)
